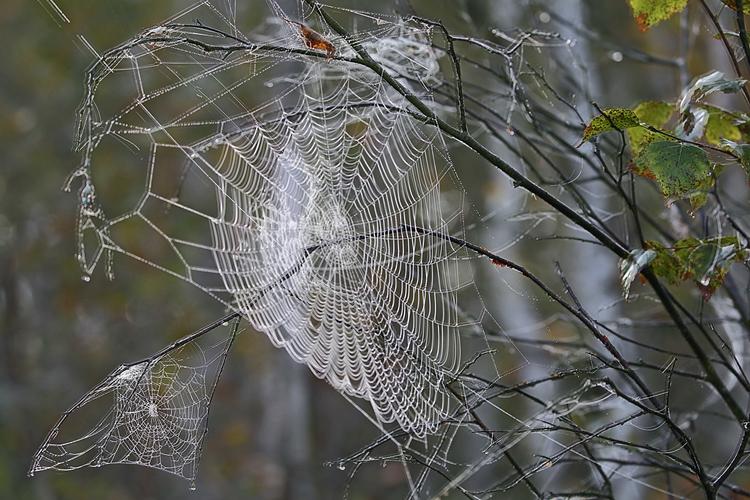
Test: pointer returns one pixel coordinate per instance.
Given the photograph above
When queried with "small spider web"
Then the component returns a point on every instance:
(155, 411)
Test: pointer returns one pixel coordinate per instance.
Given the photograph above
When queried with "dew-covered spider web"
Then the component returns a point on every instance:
(152, 413)
(295, 186)
(297, 183)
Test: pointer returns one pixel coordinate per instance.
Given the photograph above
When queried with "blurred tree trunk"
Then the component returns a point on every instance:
(285, 426)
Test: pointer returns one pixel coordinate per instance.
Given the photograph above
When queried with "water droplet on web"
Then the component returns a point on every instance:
(616, 56)
(341, 466)
(384, 464)
(192, 486)
(88, 198)
(226, 323)
(268, 84)
(86, 278)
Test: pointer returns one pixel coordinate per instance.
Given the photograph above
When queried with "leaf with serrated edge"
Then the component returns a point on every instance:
(678, 168)
(721, 126)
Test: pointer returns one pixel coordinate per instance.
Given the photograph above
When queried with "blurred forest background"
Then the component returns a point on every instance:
(274, 427)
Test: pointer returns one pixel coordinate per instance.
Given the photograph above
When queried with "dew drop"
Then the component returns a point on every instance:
(226, 323)
(86, 278)
(88, 199)
(192, 486)
(341, 466)
(616, 56)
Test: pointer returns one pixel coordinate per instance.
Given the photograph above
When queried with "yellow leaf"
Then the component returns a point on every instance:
(650, 12)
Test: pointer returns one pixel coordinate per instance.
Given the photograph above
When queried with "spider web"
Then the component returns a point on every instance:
(296, 189)
(155, 411)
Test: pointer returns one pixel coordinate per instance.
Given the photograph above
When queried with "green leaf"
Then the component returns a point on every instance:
(721, 126)
(654, 113)
(612, 119)
(679, 169)
(699, 196)
(704, 261)
(650, 12)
